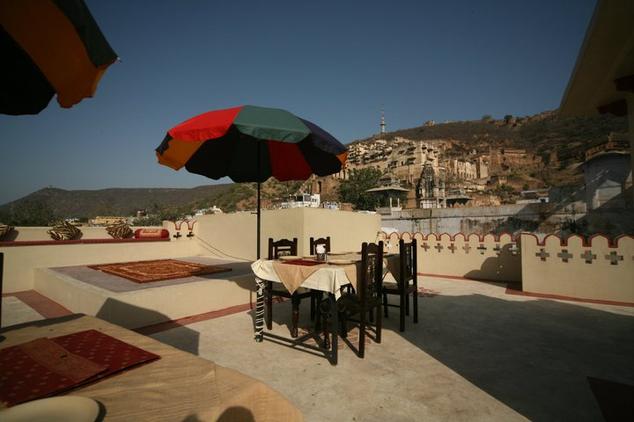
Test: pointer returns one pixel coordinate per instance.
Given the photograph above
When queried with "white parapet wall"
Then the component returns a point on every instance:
(234, 235)
(489, 257)
(30, 234)
(36, 250)
(596, 269)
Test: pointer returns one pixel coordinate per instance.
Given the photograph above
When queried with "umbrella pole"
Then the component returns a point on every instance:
(258, 223)
(259, 307)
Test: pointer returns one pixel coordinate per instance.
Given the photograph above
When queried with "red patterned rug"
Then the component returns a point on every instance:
(157, 270)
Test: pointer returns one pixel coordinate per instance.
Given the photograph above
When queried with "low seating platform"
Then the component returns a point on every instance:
(131, 304)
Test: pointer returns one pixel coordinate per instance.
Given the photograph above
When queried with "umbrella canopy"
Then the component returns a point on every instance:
(48, 47)
(228, 142)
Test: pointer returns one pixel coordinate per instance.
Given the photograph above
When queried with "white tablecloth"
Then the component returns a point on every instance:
(327, 279)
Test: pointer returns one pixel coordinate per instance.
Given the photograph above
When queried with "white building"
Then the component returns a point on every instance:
(303, 200)
(204, 211)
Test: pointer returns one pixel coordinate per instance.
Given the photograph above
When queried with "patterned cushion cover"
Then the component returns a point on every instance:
(5, 230)
(120, 231)
(65, 231)
(151, 234)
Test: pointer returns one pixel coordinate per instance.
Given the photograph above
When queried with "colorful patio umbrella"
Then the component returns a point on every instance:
(251, 144)
(48, 47)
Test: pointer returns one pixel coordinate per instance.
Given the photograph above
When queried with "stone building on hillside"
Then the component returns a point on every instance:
(608, 174)
(408, 161)
(106, 220)
(504, 159)
(404, 159)
(431, 188)
(464, 170)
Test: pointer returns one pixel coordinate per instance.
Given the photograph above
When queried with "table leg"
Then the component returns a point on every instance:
(269, 305)
(259, 310)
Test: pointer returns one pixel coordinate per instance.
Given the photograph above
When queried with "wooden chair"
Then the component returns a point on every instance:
(367, 297)
(407, 283)
(320, 241)
(1, 276)
(276, 249)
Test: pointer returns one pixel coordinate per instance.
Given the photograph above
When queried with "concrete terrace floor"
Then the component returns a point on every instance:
(476, 354)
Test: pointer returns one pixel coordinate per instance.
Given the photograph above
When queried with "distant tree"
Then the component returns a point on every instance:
(506, 193)
(486, 118)
(354, 189)
(29, 213)
(237, 194)
(171, 214)
(508, 118)
(150, 220)
(289, 188)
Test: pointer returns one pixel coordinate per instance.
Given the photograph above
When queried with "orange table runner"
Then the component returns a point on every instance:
(292, 275)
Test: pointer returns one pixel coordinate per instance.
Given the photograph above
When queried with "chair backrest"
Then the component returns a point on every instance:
(1, 275)
(282, 247)
(371, 282)
(408, 262)
(321, 241)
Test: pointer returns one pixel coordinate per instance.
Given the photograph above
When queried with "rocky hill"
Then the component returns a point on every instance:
(114, 201)
(559, 141)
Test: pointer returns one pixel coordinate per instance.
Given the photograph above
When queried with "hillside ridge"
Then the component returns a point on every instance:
(559, 141)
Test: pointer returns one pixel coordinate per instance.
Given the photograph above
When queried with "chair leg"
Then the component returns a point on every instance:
(385, 305)
(295, 318)
(406, 305)
(415, 303)
(402, 311)
(362, 334)
(317, 316)
(326, 331)
(269, 305)
(379, 324)
(371, 316)
(312, 306)
(343, 322)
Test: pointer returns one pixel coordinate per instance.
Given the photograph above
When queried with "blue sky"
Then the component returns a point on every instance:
(335, 63)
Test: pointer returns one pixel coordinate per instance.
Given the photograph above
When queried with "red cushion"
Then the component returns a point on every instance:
(151, 233)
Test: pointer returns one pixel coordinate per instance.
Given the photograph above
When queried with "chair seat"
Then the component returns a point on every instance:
(389, 285)
(351, 303)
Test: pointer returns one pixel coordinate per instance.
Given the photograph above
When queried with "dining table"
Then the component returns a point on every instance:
(330, 276)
